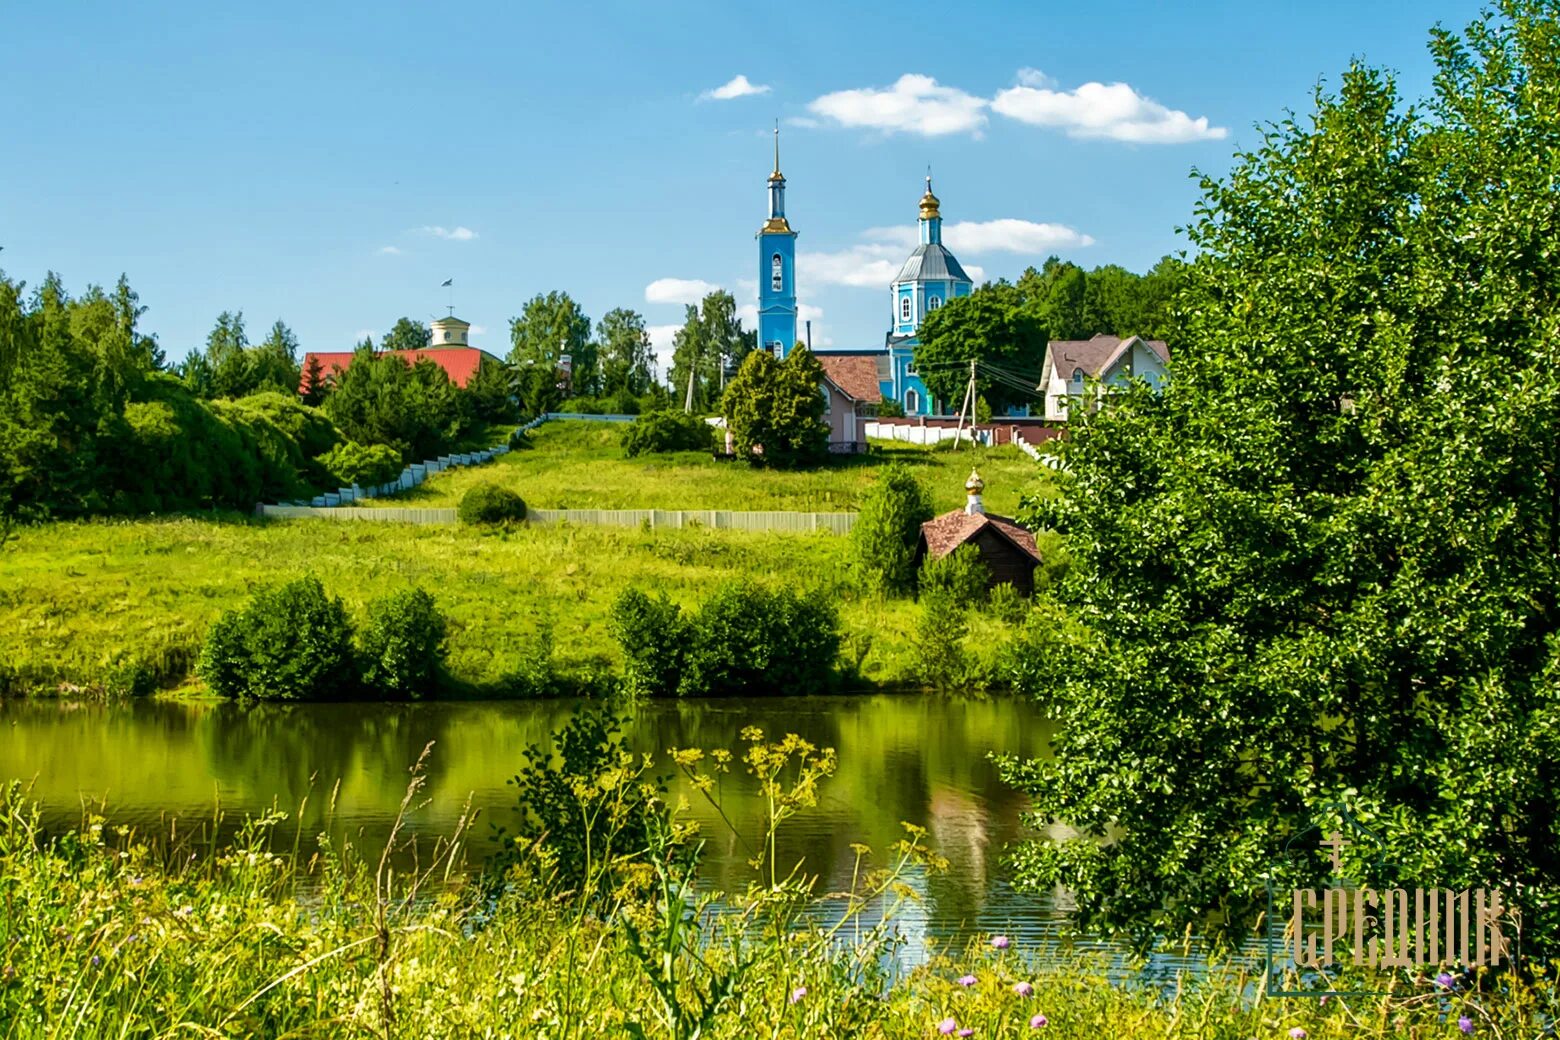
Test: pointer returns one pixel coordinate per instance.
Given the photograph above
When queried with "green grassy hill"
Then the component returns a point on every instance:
(580, 465)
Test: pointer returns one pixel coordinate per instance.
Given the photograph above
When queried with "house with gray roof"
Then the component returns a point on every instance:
(1077, 368)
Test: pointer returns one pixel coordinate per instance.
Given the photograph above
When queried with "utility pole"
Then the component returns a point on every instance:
(967, 405)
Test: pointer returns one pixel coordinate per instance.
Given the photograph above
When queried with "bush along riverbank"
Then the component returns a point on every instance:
(588, 930)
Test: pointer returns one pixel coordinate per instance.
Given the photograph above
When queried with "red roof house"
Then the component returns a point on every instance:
(459, 363)
(1008, 550)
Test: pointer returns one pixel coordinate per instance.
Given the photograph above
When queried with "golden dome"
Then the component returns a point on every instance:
(975, 484)
(929, 203)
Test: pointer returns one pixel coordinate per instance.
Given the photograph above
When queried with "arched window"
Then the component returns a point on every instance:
(904, 308)
(932, 303)
(1077, 380)
(912, 402)
(776, 273)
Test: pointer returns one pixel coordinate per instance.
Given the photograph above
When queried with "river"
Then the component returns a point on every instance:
(914, 758)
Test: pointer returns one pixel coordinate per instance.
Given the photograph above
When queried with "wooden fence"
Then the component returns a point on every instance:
(655, 519)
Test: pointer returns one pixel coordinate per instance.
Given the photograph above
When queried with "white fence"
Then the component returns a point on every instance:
(914, 434)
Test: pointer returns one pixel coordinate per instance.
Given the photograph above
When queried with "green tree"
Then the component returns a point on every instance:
(992, 327)
(712, 344)
(625, 353)
(315, 383)
(227, 354)
(274, 362)
(415, 409)
(1324, 565)
(887, 529)
(549, 327)
(407, 334)
(775, 409)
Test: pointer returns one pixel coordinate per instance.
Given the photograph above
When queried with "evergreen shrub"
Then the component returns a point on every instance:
(291, 642)
(663, 431)
(490, 504)
(402, 645)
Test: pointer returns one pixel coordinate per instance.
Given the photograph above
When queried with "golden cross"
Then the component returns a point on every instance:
(1336, 843)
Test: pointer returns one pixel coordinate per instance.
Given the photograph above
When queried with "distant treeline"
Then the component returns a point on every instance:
(93, 419)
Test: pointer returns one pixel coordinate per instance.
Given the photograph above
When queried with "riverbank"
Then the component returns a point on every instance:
(106, 935)
(82, 602)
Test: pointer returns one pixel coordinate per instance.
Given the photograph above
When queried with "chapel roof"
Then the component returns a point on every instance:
(931, 261)
(946, 533)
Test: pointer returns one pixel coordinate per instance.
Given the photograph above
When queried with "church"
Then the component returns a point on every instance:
(929, 277)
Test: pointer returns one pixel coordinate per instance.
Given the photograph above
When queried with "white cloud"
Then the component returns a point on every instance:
(389, 251)
(456, 234)
(678, 290)
(915, 104)
(1115, 111)
(737, 86)
(918, 104)
(1005, 235)
(869, 265)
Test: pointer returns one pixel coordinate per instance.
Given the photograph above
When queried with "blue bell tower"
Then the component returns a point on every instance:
(777, 270)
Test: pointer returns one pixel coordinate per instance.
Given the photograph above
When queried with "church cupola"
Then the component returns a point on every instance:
(777, 270)
(931, 217)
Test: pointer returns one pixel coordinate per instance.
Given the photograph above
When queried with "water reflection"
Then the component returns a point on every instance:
(922, 760)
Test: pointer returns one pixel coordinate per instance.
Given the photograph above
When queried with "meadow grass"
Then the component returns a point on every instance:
(581, 465)
(107, 933)
(79, 599)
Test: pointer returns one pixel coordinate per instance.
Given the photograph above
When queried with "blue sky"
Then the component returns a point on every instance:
(331, 165)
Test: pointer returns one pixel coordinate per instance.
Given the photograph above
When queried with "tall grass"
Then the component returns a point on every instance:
(106, 933)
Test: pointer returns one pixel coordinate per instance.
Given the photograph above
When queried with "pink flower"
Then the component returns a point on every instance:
(966, 1031)
(999, 941)
(966, 980)
(1297, 1033)
(1023, 989)
(946, 1026)
(1039, 1022)
(798, 993)
(1465, 1024)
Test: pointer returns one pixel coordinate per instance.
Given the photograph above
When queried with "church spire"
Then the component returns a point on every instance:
(931, 215)
(777, 175)
(776, 221)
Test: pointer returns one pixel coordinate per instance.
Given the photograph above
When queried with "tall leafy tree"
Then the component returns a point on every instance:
(625, 353)
(1324, 566)
(991, 326)
(407, 334)
(549, 327)
(775, 410)
(711, 345)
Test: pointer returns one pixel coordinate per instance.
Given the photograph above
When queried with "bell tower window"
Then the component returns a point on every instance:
(776, 273)
(904, 308)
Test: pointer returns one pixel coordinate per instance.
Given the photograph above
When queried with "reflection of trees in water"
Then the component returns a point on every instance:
(265, 754)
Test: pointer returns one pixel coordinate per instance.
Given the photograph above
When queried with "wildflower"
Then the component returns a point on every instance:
(96, 960)
(1000, 941)
(1023, 989)
(798, 993)
(1039, 1022)
(966, 1031)
(966, 980)
(1444, 980)
(1465, 1024)
(946, 1026)
(1297, 1033)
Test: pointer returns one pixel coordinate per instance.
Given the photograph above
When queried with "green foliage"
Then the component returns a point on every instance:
(309, 428)
(230, 367)
(961, 575)
(774, 410)
(407, 334)
(887, 529)
(292, 642)
(653, 635)
(745, 639)
(626, 353)
(890, 408)
(942, 663)
(350, 463)
(536, 387)
(490, 395)
(581, 803)
(710, 346)
(1007, 604)
(490, 504)
(1323, 567)
(315, 384)
(671, 430)
(415, 409)
(549, 327)
(991, 326)
(402, 645)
